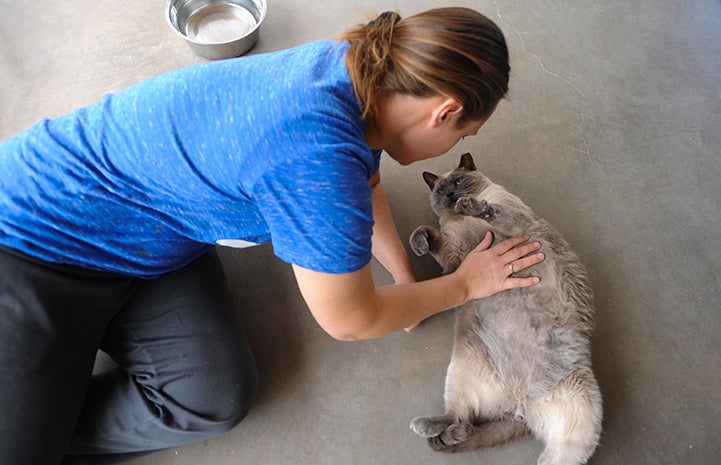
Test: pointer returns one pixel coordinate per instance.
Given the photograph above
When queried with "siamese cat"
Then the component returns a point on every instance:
(521, 361)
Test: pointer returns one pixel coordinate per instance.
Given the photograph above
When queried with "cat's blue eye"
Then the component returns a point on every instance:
(441, 190)
(458, 181)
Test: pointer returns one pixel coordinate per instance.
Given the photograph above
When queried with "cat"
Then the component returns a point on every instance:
(521, 361)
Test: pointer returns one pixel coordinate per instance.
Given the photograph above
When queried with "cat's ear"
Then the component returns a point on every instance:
(467, 162)
(430, 179)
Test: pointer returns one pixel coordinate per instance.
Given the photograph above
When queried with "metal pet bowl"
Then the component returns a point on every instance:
(217, 29)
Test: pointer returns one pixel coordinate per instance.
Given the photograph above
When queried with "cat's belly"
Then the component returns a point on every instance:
(521, 348)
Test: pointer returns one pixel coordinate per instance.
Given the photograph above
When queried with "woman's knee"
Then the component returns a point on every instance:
(213, 400)
(235, 399)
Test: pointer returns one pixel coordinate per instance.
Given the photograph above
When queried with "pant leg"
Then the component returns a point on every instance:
(185, 370)
(52, 320)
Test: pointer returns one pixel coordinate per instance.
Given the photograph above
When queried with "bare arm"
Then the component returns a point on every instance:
(387, 246)
(350, 307)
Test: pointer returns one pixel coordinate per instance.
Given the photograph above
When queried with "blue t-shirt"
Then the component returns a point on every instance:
(261, 148)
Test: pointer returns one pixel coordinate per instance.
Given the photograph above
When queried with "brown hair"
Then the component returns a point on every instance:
(455, 52)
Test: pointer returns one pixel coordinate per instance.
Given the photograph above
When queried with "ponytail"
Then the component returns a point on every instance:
(456, 52)
(368, 59)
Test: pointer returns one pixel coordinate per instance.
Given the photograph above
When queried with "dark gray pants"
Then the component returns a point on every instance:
(185, 371)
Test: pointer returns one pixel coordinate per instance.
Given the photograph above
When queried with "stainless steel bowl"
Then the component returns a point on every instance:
(217, 29)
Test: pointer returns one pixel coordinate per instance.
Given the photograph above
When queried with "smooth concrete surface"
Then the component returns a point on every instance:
(612, 130)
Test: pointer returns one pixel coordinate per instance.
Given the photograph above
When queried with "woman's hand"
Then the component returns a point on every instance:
(487, 271)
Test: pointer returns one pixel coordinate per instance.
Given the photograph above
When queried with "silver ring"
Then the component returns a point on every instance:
(510, 266)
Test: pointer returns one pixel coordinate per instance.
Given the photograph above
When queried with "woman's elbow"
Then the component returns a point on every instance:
(346, 337)
(350, 330)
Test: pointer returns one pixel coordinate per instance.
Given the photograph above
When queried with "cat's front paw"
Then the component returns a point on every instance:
(421, 240)
(470, 206)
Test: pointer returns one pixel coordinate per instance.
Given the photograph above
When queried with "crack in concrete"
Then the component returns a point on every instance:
(587, 149)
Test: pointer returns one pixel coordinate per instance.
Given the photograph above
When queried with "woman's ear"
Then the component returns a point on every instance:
(446, 111)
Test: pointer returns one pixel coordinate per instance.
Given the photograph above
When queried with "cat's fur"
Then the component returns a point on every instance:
(521, 360)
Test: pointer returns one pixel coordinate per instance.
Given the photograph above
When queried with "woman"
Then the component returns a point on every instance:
(108, 217)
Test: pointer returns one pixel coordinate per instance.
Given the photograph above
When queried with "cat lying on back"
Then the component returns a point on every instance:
(521, 360)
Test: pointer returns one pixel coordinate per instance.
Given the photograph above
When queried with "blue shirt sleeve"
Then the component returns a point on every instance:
(319, 211)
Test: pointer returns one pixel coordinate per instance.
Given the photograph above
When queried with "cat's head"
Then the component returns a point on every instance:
(463, 181)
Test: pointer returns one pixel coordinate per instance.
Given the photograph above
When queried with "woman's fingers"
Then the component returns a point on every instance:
(525, 262)
(503, 246)
(517, 254)
(521, 257)
(513, 253)
(516, 251)
(512, 283)
(486, 242)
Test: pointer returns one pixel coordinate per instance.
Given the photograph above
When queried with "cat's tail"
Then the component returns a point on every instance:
(462, 437)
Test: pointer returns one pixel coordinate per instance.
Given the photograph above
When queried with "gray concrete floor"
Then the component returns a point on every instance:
(612, 131)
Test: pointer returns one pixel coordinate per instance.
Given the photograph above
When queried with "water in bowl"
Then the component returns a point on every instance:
(219, 23)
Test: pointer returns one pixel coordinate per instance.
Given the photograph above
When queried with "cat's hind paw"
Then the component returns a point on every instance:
(428, 427)
(470, 206)
(451, 438)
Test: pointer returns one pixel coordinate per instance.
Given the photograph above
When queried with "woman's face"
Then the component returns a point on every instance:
(411, 129)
